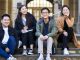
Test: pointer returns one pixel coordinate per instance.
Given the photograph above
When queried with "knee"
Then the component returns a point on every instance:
(12, 39)
(39, 39)
(50, 39)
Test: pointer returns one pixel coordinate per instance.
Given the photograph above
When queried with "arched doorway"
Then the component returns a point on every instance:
(35, 7)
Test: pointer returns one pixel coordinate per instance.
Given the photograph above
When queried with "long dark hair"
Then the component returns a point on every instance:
(62, 11)
(19, 13)
(28, 16)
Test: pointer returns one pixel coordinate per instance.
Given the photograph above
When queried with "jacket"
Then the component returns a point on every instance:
(51, 28)
(60, 25)
(11, 31)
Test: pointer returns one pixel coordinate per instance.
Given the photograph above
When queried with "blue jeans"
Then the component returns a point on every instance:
(11, 45)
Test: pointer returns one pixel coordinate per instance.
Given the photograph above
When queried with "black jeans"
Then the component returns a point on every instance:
(63, 40)
(27, 38)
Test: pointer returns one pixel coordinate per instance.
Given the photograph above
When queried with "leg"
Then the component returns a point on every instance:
(49, 48)
(65, 42)
(40, 49)
(49, 45)
(40, 46)
(30, 36)
(24, 40)
(4, 54)
(11, 44)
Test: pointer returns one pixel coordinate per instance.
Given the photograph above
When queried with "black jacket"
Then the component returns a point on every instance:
(11, 31)
(31, 22)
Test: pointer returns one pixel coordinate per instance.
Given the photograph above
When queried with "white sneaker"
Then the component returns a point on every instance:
(48, 57)
(40, 57)
(20, 43)
(30, 52)
(66, 52)
(24, 52)
(11, 58)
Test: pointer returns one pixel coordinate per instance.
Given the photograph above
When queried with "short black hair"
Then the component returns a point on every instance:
(5, 15)
(45, 8)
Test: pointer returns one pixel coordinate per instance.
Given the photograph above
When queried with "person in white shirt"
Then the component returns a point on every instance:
(8, 37)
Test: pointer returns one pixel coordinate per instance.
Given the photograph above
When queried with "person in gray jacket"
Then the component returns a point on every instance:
(45, 30)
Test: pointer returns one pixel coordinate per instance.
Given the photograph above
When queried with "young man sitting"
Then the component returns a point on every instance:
(8, 38)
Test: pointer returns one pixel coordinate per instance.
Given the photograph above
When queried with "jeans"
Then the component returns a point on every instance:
(11, 45)
(49, 45)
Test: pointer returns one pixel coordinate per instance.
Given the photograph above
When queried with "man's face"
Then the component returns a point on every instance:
(5, 21)
(45, 14)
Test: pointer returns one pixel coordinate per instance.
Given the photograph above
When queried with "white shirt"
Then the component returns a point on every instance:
(24, 21)
(6, 36)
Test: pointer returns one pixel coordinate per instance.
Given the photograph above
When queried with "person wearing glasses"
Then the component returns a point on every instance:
(45, 30)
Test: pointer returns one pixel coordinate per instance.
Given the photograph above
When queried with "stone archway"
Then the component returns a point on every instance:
(35, 7)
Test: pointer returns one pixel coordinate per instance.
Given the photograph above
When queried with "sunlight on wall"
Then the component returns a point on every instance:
(40, 3)
(35, 7)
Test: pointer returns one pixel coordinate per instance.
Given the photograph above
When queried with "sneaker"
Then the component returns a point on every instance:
(30, 52)
(40, 57)
(24, 52)
(48, 57)
(66, 52)
(11, 58)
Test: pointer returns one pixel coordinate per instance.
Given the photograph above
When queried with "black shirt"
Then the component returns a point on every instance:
(45, 28)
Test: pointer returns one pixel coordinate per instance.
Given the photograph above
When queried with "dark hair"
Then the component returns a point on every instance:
(5, 15)
(45, 8)
(62, 10)
(19, 13)
(27, 16)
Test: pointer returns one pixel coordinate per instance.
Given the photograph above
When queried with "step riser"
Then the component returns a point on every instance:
(53, 58)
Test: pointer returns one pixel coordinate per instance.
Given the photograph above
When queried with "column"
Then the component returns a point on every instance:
(56, 9)
(78, 22)
(6, 6)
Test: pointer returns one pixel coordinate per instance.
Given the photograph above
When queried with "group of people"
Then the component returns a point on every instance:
(27, 27)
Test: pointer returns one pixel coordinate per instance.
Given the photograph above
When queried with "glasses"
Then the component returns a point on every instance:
(44, 12)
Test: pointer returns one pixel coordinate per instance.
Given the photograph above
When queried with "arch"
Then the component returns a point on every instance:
(39, 3)
(35, 7)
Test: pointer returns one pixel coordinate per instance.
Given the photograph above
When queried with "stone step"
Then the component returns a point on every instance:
(71, 51)
(53, 57)
(57, 51)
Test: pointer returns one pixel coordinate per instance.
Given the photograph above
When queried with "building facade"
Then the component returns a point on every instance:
(34, 7)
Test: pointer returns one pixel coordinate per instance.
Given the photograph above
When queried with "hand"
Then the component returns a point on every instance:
(45, 37)
(41, 37)
(7, 50)
(23, 31)
(25, 27)
(65, 33)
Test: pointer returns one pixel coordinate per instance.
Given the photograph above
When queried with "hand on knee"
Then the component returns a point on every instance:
(41, 37)
(65, 33)
(7, 49)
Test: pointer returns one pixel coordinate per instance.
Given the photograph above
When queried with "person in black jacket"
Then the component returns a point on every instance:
(25, 24)
(8, 38)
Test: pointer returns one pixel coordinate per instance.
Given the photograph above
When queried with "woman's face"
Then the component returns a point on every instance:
(23, 10)
(66, 11)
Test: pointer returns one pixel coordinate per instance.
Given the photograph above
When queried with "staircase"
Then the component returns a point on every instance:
(54, 57)
(74, 55)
